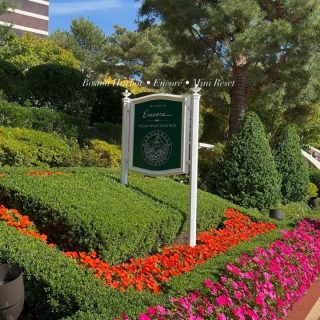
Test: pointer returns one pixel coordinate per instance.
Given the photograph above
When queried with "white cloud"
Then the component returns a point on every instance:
(78, 7)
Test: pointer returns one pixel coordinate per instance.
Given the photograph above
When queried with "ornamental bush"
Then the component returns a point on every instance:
(291, 166)
(12, 82)
(15, 115)
(60, 88)
(25, 147)
(246, 174)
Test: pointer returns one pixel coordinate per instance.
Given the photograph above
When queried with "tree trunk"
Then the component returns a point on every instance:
(238, 99)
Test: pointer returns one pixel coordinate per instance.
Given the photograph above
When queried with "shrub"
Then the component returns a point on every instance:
(101, 154)
(25, 147)
(291, 166)
(90, 209)
(110, 132)
(61, 88)
(14, 115)
(108, 105)
(56, 287)
(208, 160)
(247, 175)
(314, 175)
(313, 191)
(12, 82)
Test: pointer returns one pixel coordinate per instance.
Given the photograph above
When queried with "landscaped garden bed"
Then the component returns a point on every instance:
(87, 210)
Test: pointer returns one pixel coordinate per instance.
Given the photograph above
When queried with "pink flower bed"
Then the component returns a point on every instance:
(262, 286)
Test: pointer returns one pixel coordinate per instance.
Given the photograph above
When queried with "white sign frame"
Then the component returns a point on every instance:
(185, 134)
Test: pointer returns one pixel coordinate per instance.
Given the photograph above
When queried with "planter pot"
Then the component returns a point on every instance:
(314, 202)
(11, 292)
(276, 214)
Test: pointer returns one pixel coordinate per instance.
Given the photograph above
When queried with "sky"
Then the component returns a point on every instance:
(104, 13)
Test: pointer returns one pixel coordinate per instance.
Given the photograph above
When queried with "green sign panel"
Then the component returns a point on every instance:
(158, 136)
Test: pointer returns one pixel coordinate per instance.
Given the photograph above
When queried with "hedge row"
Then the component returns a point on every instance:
(14, 115)
(30, 147)
(88, 211)
(56, 287)
(119, 222)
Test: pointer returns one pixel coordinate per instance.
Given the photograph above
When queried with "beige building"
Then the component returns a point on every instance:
(27, 16)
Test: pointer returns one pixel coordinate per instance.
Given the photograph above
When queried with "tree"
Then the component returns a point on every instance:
(5, 31)
(291, 166)
(86, 41)
(142, 54)
(28, 51)
(266, 46)
(246, 174)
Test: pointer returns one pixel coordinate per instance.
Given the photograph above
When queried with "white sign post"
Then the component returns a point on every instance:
(125, 137)
(171, 152)
(194, 164)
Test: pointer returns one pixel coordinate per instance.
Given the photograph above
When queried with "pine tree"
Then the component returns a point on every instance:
(268, 47)
(291, 166)
(247, 174)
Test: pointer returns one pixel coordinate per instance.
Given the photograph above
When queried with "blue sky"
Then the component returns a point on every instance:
(104, 13)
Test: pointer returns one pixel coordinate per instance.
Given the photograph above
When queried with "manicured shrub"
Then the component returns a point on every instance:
(56, 287)
(60, 88)
(246, 174)
(12, 82)
(15, 115)
(25, 147)
(101, 154)
(291, 166)
(108, 105)
(90, 210)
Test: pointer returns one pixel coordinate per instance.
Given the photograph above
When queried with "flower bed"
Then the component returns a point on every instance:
(262, 286)
(46, 173)
(148, 273)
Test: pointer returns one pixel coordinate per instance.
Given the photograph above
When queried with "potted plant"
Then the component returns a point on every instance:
(277, 213)
(11, 292)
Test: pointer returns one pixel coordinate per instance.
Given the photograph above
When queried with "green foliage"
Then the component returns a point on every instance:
(86, 41)
(90, 209)
(110, 132)
(291, 166)
(108, 105)
(12, 82)
(208, 161)
(295, 211)
(313, 191)
(15, 115)
(252, 42)
(25, 147)
(61, 88)
(56, 287)
(101, 154)
(247, 173)
(314, 175)
(29, 50)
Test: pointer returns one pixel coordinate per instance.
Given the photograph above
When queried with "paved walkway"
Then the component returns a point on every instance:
(309, 306)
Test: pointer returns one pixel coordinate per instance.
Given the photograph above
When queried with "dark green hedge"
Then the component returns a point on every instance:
(87, 210)
(14, 115)
(56, 287)
(90, 209)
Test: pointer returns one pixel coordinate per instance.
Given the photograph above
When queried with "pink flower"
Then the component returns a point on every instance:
(152, 311)
(161, 310)
(144, 317)
(222, 300)
(222, 316)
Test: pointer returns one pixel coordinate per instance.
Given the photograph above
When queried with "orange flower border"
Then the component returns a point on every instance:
(148, 273)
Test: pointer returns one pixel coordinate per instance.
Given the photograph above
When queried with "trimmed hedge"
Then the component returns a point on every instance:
(56, 287)
(25, 147)
(61, 88)
(12, 82)
(90, 209)
(14, 115)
